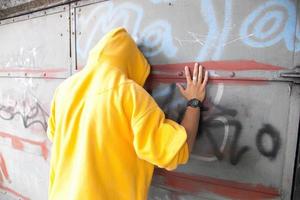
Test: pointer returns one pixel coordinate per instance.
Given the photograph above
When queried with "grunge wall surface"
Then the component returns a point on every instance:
(247, 142)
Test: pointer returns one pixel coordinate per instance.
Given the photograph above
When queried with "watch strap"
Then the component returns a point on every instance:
(195, 103)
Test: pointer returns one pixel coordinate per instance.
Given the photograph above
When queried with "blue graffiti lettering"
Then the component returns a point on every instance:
(209, 16)
(226, 29)
(283, 16)
(126, 15)
(157, 38)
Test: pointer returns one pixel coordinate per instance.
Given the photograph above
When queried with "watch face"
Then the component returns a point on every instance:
(194, 103)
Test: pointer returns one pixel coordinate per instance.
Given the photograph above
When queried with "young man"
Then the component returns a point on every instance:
(108, 132)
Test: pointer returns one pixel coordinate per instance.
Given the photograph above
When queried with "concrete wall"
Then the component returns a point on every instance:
(248, 132)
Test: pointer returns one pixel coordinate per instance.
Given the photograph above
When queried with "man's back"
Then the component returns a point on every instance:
(107, 132)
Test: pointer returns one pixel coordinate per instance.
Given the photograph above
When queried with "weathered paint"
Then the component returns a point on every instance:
(247, 139)
(226, 65)
(195, 184)
(19, 143)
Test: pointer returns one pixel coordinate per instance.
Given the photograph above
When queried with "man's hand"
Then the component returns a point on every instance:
(195, 87)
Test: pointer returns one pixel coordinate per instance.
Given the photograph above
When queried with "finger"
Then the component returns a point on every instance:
(195, 74)
(187, 75)
(205, 79)
(200, 74)
(180, 87)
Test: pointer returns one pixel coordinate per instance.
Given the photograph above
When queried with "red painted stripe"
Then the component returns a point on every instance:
(17, 143)
(212, 80)
(224, 65)
(3, 169)
(32, 70)
(13, 192)
(196, 184)
(173, 73)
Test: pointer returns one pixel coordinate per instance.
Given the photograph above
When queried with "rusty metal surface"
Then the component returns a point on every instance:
(248, 131)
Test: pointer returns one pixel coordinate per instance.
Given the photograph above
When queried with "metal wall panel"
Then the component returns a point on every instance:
(245, 137)
(243, 150)
(296, 194)
(34, 55)
(24, 146)
(184, 31)
(11, 8)
(246, 143)
(36, 45)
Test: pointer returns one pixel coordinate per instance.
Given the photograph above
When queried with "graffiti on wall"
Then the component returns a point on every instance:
(282, 14)
(21, 111)
(224, 118)
(24, 57)
(5, 180)
(154, 39)
(278, 16)
(22, 107)
(22, 103)
(270, 23)
(29, 117)
(266, 25)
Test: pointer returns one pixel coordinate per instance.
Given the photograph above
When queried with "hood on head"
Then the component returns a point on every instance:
(117, 50)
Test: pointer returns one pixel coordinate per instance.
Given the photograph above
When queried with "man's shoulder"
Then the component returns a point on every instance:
(68, 81)
(131, 86)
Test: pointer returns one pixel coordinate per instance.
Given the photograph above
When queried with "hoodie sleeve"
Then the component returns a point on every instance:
(157, 140)
(51, 120)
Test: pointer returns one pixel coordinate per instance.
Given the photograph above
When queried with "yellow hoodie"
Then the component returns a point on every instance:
(107, 131)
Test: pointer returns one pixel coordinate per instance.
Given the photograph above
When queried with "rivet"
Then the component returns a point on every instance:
(232, 74)
(180, 73)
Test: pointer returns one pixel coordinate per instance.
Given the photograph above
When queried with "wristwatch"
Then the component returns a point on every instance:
(195, 103)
